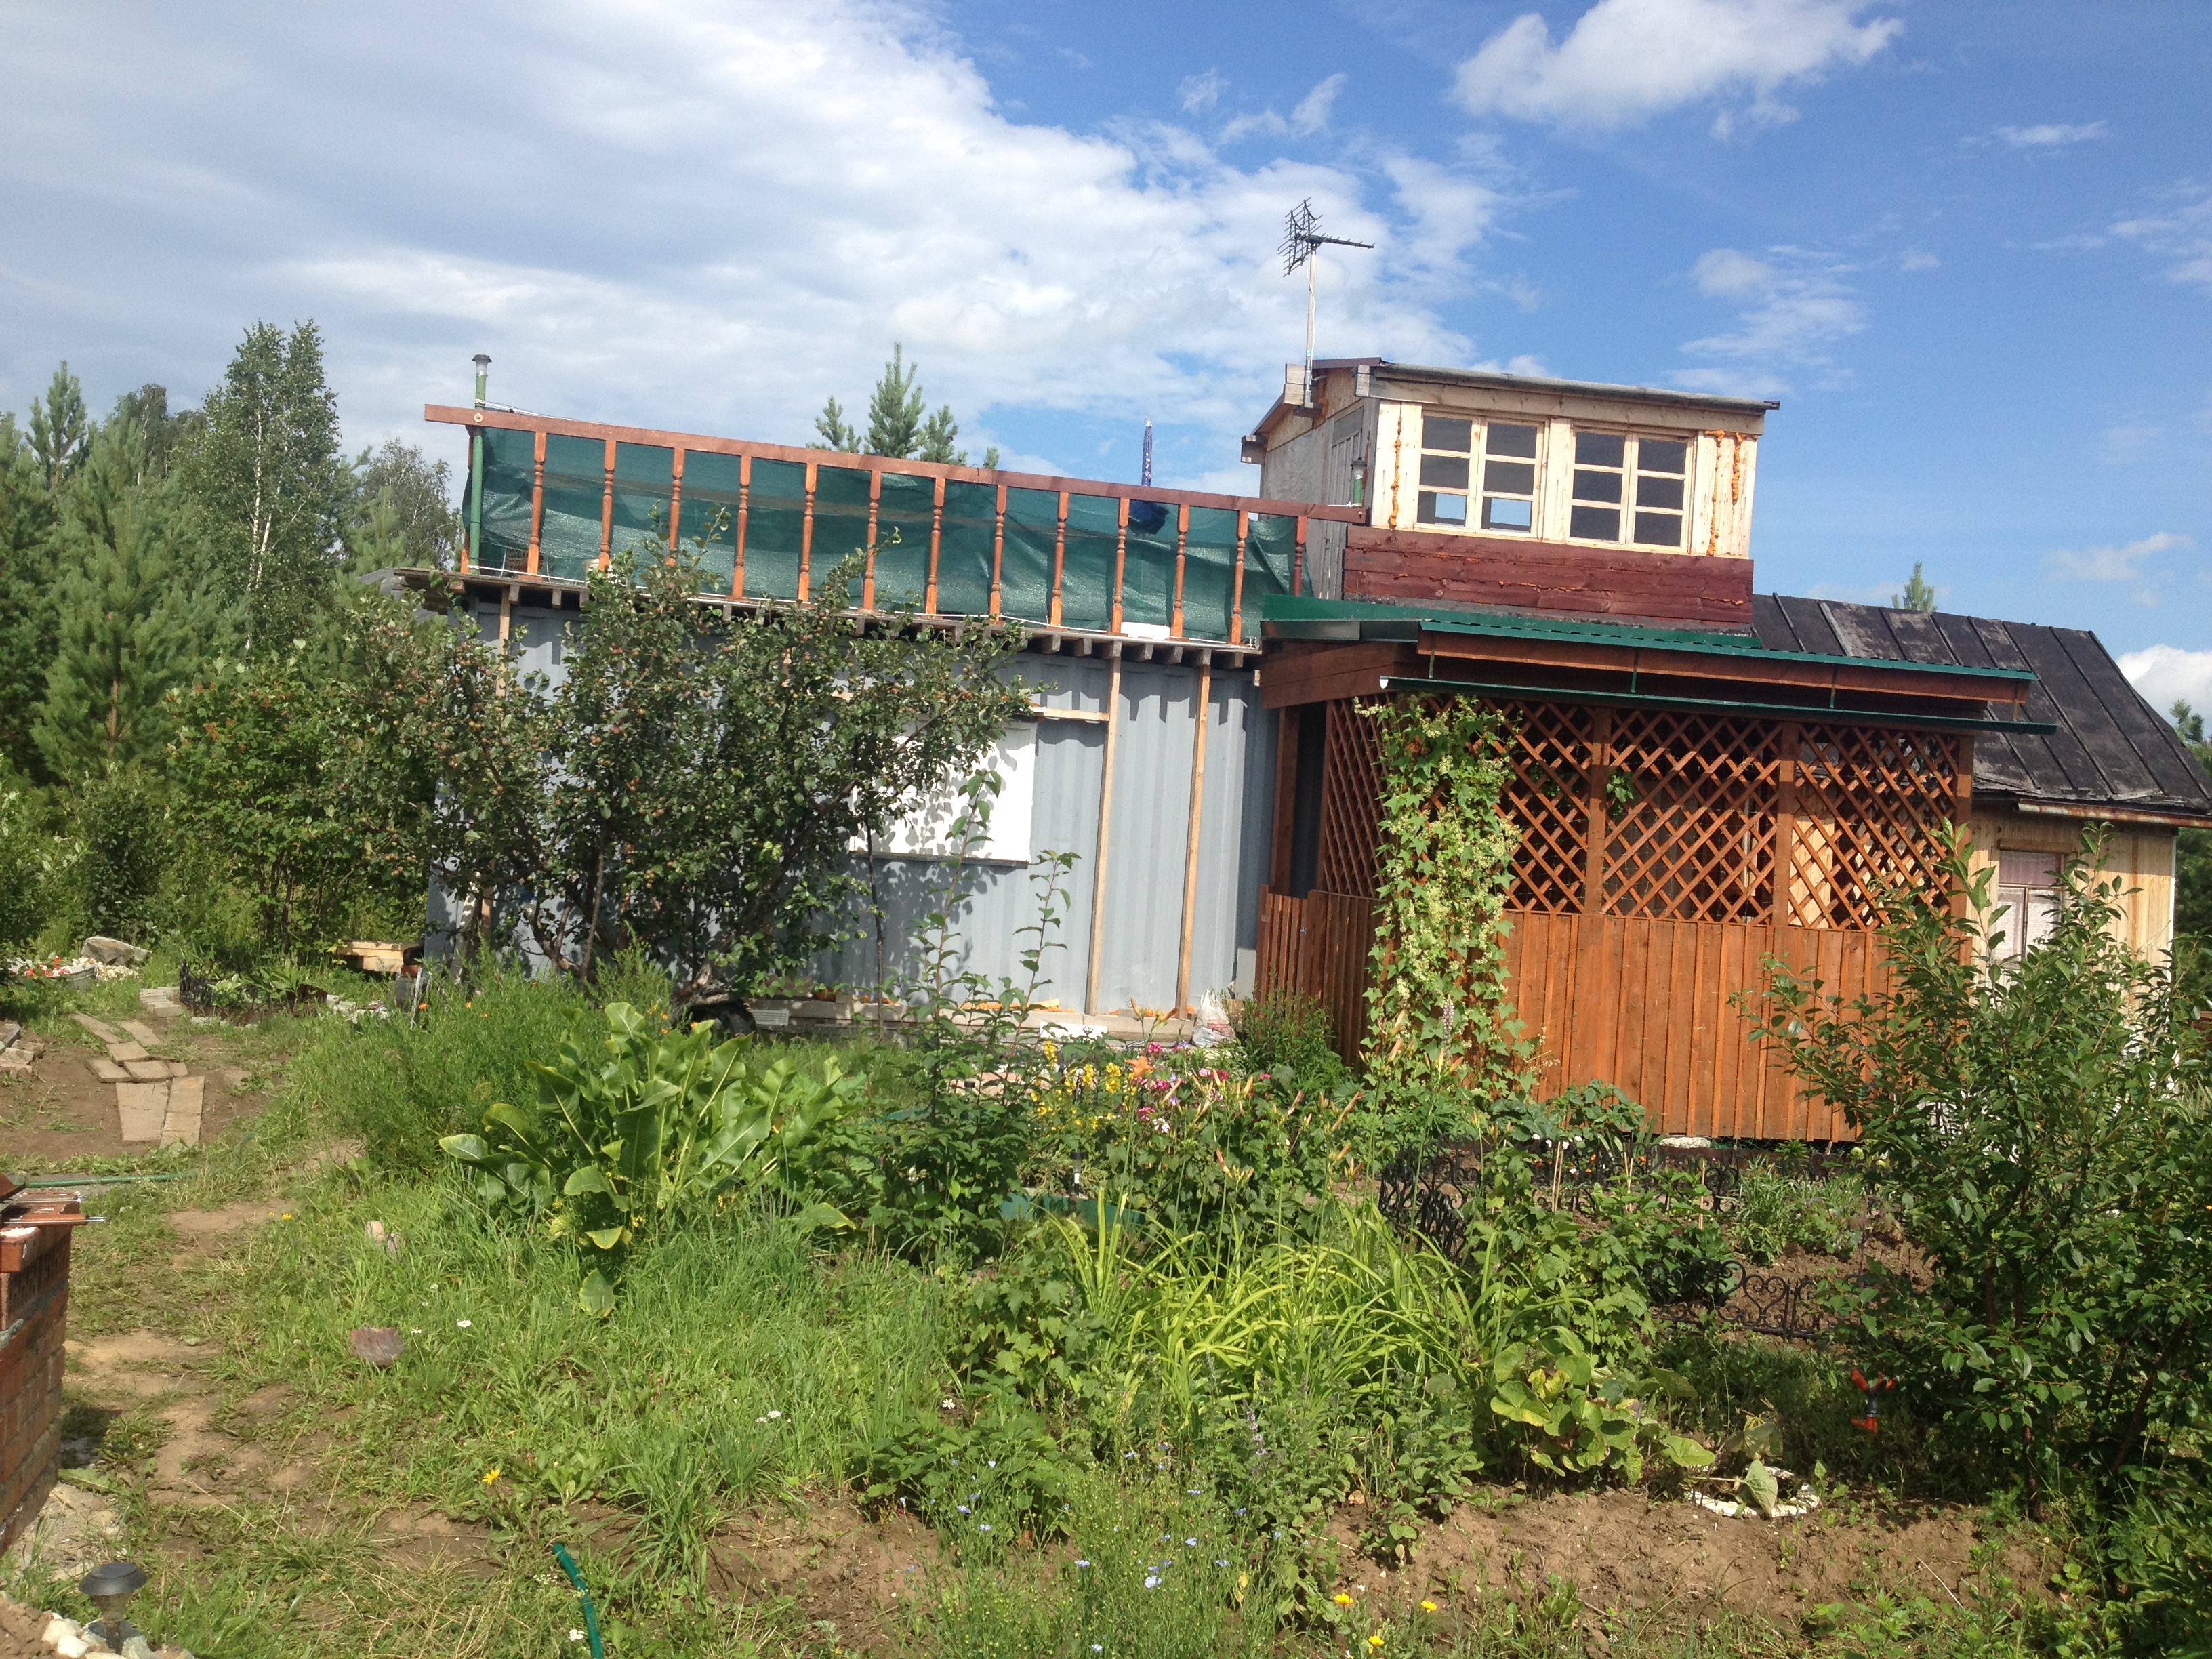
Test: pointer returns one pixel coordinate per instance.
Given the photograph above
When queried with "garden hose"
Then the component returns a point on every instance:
(591, 1616)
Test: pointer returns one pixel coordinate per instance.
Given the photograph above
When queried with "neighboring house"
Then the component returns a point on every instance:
(1703, 777)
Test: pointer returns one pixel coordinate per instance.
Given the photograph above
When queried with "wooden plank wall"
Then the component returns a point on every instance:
(1409, 567)
(1641, 1003)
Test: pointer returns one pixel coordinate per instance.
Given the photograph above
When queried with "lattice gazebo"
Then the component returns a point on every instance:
(1690, 803)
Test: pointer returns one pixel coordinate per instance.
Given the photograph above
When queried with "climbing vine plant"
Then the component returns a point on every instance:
(1441, 1043)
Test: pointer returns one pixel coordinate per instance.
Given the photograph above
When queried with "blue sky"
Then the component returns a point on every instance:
(1968, 246)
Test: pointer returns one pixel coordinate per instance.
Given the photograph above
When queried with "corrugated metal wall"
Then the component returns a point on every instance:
(1146, 849)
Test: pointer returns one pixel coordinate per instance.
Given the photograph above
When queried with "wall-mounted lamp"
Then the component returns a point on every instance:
(1359, 482)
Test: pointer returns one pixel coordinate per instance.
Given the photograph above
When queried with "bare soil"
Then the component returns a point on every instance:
(58, 1112)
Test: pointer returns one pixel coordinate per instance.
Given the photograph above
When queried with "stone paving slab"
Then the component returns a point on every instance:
(147, 1071)
(108, 1070)
(182, 1120)
(139, 1031)
(123, 1053)
(161, 1002)
(105, 1033)
(142, 1108)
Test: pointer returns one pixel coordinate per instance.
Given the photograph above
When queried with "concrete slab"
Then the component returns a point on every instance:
(161, 1002)
(105, 1033)
(139, 1032)
(123, 1053)
(182, 1122)
(147, 1071)
(142, 1108)
(108, 1070)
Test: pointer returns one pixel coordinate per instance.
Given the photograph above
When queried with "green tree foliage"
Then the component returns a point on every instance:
(1918, 595)
(25, 857)
(1441, 1047)
(167, 434)
(2044, 1132)
(267, 473)
(61, 430)
(26, 616)
(402, 511)
(896, 424)
(122, 837)
(702, 776)
(2192, 848)
(129, 620)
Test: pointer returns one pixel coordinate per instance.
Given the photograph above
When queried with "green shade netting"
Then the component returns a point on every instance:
(964, 553)
(775, 518)
(1025, 578)
(1209, 572)
(902, 515)
(1086, 576)
(1148, 576)
(709, 515)
(645, 481)
(840, 523)
(1270, 558)
(576, 491)
(510, 464)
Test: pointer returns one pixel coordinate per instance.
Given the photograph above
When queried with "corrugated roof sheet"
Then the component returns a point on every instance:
(2111, 748)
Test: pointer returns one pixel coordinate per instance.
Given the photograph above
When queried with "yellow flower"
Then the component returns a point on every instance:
(287, 1215)
(490, 1476)
(1428, 1606)
(1341, 1599)
(1376, 1640)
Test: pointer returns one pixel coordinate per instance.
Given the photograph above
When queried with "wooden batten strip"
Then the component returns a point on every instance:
(1105, 829)
(1203, 713)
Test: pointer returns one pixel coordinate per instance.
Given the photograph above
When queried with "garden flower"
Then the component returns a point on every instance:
(490, 1476)
(464, 1324)
(1376, 1640)
(1082, 1564)
(1428, 1606)
(1151, 1581)
(1341, 1599)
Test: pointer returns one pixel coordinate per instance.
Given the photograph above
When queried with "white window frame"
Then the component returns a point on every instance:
(1629, 472)
(1477, 458)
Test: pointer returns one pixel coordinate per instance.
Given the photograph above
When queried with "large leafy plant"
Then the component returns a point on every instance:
(621, 1143)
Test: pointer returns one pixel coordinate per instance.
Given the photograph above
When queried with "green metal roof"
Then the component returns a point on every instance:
(1299, 617)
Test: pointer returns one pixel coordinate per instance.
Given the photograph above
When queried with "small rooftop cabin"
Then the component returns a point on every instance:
(1702, 778)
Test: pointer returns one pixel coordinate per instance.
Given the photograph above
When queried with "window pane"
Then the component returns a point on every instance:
(1596, 524)
(1600, 448)
(1457, 436)
(1499, 513)
(1443, 472)
(1442, 509)
(1665, 493)
(2027, 869)
(1597, 486)
(1516, 441)
(1513, 477)
(1653, 455)
(1659, 529)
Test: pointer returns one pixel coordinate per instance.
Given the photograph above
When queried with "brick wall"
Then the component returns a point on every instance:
(35, 1264)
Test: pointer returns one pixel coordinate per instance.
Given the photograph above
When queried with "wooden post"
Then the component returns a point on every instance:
(999, 552)
(806, 535)
(607, 511)
(1105, 823)
(1962, 798)
(1298, 562)
(936, 544)
(745, 502)
(1599, 774)
(1120, 563)
(1236, 582)
(1781, 913)
(506, 616)
(1197, 823)
(675, 502)
(875, 504)
(1288, 759)
(537, 501)
(1182, 535)
(1059, 560)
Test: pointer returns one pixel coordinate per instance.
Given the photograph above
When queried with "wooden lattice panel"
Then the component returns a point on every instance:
(1548, 746)
(1351, 803)
(1867, 804)
(1691, 816)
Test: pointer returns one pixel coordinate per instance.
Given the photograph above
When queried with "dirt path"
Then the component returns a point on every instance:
(58, 1112)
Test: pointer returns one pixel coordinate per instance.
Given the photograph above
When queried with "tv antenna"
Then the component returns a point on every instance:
(1302, 245)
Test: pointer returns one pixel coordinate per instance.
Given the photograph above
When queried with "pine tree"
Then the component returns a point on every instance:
(130, 622)
(268, 475)
(831, 427)
(61, 432)
(895, 409)
(26, 615)
(1918, 595)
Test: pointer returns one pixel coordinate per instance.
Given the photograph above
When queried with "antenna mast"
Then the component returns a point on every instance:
(1147, 478)
(1302, 245)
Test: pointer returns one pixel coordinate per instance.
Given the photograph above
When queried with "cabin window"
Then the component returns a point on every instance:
(1629, 489)
(2028, 888)
(1464, 463)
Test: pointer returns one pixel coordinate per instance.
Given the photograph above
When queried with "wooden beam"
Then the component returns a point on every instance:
(1120, 563)
(1406, 567)
(868, 578)
(1782, 912)
(936, 545)
(1105, 836)
(1058, 556)
(1236, 582)
(1191, 835)
(537, 502)
(675, 503)
(1595, 811)
(738, 555)
(806, 536)
(998, 554)
(1325, 673)
(1284, 829)
(607, 510)
(1298, 560)
(1182, 537)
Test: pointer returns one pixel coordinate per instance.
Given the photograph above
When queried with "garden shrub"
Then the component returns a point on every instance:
(26, 857)
(122, 837)
(1288, 1033)
(2042, 1130)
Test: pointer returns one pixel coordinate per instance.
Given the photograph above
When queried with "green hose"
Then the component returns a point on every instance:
(591, 1616)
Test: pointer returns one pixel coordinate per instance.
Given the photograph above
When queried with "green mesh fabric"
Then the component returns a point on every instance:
(1025, 578)
(902, 516)
(775, 520)
(575, 487)
(1270, 557)
(840, 522)
(1209, 572)
(1086, 579)
(1148, 576)
(510, 464)
(645, 481)
(964, 552)
(708, 526)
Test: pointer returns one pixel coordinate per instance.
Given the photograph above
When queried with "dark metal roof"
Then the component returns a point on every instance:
(2111, 748)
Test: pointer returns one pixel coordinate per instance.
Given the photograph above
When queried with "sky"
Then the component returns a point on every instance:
(1968, 246)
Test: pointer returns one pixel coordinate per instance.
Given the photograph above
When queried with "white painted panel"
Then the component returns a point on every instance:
(927, 832)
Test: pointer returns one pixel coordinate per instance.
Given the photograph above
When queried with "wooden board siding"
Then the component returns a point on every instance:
(1406, 567)
(1645, 1005)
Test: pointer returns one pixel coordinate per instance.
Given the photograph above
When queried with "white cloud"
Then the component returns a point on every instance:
(1797, 305)
(1915, 258)
(1627, 60)
(1199, 93)
(2051, 134)
(2184, 234)
(1312, 113)
(2168, 673)
(706, 219)
(2122, 563)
